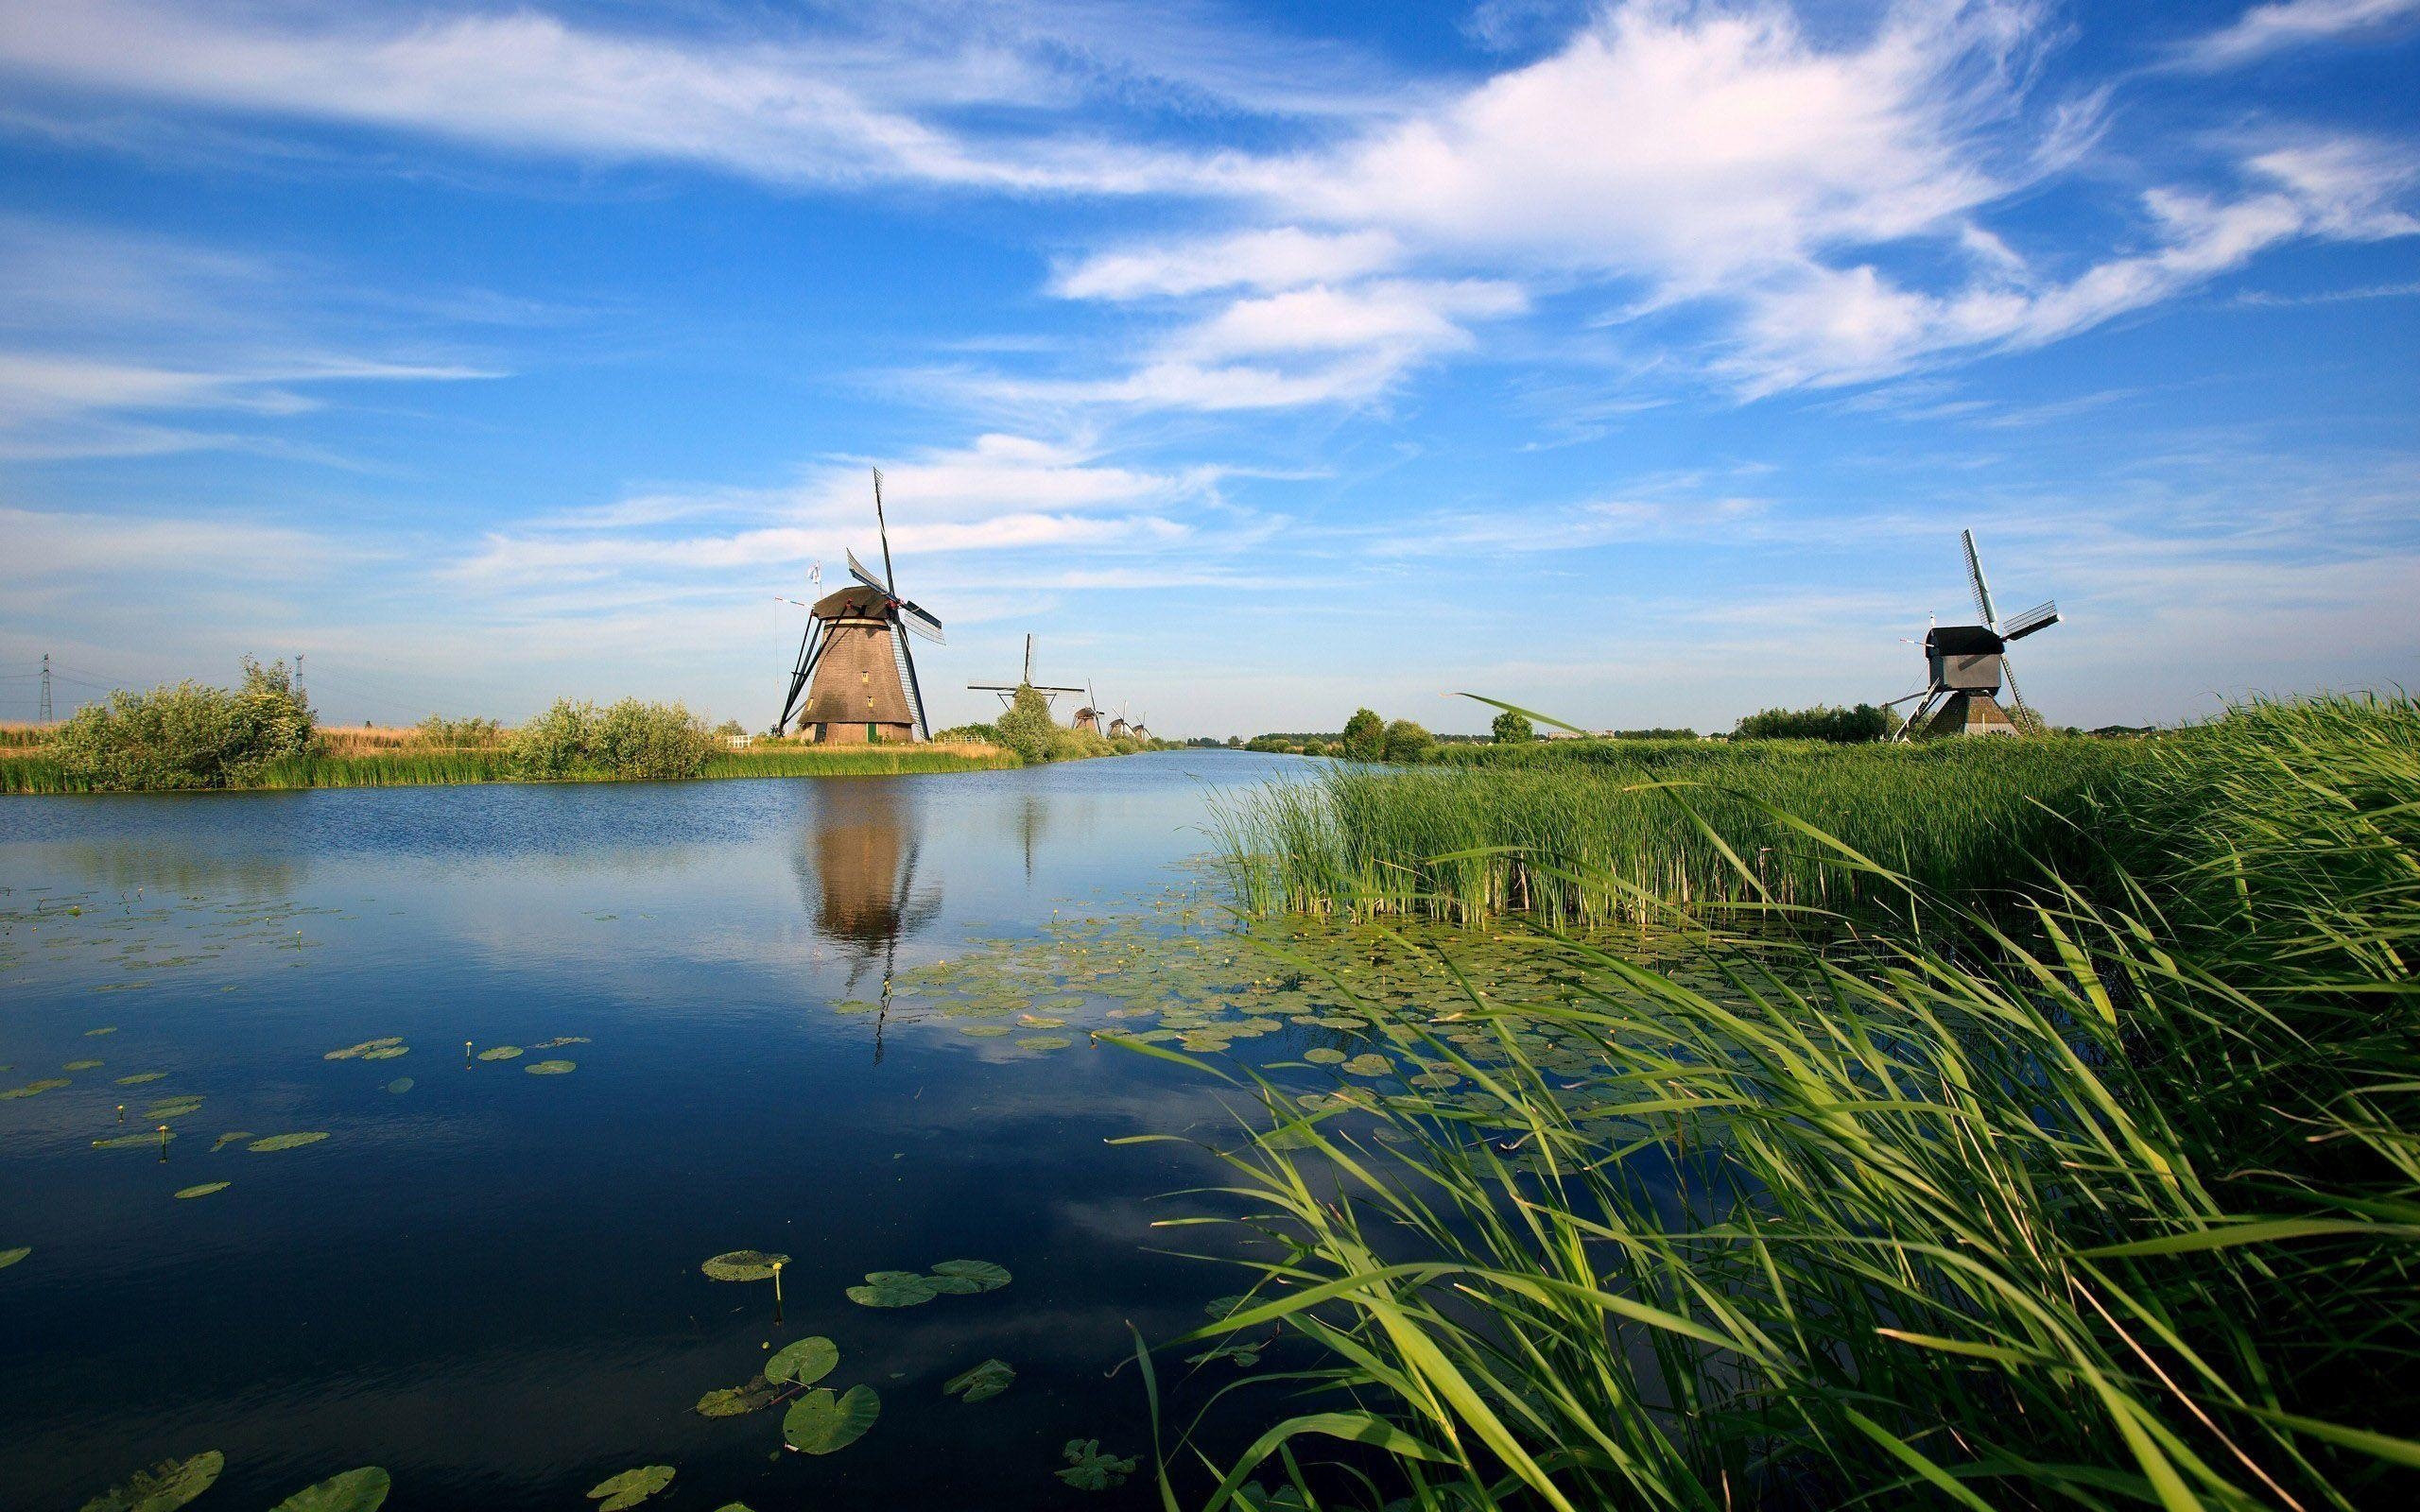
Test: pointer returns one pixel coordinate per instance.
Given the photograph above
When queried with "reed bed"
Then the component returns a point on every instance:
(1611, 830)
(2097, 1189)
(406, 764)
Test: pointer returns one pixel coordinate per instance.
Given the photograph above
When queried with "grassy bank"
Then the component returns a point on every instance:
(2097, 1187)
(1609, 830)
(405, 766)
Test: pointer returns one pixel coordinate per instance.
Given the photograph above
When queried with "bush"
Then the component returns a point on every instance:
(1843, 727)
(471, 733)
(631, 739)
(1407, 741)
(1365, 737)
(1026, 728)
(1513, 729)
(188, 736)
(977, 734)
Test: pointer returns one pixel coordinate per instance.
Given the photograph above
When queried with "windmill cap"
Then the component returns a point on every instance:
(854, 600)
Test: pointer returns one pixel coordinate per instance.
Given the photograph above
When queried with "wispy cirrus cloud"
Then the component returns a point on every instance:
(2276, 28)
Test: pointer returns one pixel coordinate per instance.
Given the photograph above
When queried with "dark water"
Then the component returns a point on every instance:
(489, 1284)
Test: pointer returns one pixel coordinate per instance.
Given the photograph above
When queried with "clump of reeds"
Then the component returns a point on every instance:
(2099, 1190)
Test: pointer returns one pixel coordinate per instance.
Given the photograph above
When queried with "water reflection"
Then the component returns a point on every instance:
(856, 871)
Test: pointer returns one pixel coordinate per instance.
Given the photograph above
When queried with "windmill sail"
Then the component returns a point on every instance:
(1975, 576)
(2040, 617)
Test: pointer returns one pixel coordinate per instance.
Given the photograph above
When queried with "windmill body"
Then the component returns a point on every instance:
(855, 667)
(1966, 666)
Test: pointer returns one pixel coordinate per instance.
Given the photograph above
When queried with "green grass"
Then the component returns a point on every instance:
(2097, 1187)
(408, 767)
(1609, 830)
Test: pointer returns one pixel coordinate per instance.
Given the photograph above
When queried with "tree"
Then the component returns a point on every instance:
(1365, 737)
(1846, 727)
(1407, 741)
(189, 736)
(1514, 729)
(1026, 728)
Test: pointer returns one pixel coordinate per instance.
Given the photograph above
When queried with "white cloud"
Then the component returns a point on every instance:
(2269, 28)
(1281, 257)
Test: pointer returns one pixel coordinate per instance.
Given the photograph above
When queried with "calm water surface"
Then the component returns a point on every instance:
(489, 1284)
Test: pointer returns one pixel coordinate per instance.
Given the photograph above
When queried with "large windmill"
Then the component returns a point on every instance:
(1007, 691)
(1965, 666)
(853, 665)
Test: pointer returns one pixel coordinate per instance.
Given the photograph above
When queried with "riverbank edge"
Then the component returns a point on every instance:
(42, 777)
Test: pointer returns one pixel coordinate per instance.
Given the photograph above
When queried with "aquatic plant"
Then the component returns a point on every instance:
(803, 1363)
(981, 1382)
(821, 1423)
(1089, 1470)
(619, 1492)
(284, 1141)
(361, 1490)
(743, 1266)
(9, 1257)
(164, 1488)
(2103, 1188)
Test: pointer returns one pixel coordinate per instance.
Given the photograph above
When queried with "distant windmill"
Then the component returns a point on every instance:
(1141, 730)
(1966, 665)
(852, 661)
(1088, 717)
(1118, 728)
(1007, 691)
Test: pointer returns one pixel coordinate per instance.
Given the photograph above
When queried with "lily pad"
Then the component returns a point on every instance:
(733, 1402)
(9, 1257)
(35, 1089)
(500, 1053)
(743, 1266)
(361, 1490)
(172, 1107)
(81, 1065)
(283, 1141)
(400, 1086)
(893, 1288)
(133, 1141)
(986, 1276)
(986, 1031)
(164, 1488)
(386, 1051)
(1323, 1056)
(205, 1189)
(1044, 1041)
(983, 1382)
(1089, 1470)
(1368, 1065)
(820, 1423)
(803, 1363)
(106, 1028)
(631, 1488)
(363, 1049)
(140, 1077)
(234, 1136)
(550, 1068)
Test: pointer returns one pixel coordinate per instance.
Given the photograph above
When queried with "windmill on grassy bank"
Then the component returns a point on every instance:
(1007, 691)
(853, 665)
(1088, 717)
(1966, 665)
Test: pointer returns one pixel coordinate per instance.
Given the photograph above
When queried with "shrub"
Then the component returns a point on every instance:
(1844, 727)
(972, 734)
(630, 739)
(189, 736)
(1513, 729)
(471, 733)
(1365, 737)
(1026, 728)
(1407, 741)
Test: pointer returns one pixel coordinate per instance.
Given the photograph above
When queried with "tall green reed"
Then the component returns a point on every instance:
(2099, 1190)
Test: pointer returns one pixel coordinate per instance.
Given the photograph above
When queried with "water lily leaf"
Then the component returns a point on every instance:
(820, 1423)
(284, 1141)
(500, 1053)
(400, 1086)
(550, 1068)
(132, 1141)
(1089, 1470)
(1325, 1057)
(953, 1285)
(1368, 1065)
(205, 1189)
(744, 1265)
(164, 1488)
(81, 1065)
(985, 1275)
(1243, 1354)
(386, 1051)
(9, 1257)
(140, 1077)
(803, 1363)
(893, 1288)
(1032, 1020)
(106, 1028)
(361, 1490)
(631, 1488)
(171, 1108)
(986, 1031)
(982, 1382)
(363, 1049)
(732, 1401)
(35, 1089)
(234, 1136)
(1044, 1041)
(561, 1040)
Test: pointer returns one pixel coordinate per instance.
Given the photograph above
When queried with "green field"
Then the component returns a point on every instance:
(2087, 1175)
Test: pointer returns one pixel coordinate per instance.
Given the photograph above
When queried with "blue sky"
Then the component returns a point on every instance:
(1639, 362)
